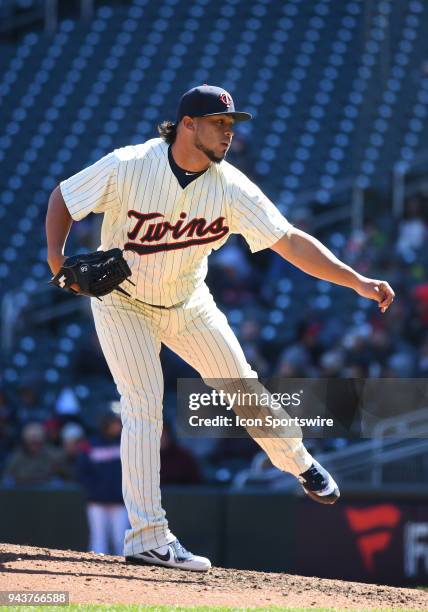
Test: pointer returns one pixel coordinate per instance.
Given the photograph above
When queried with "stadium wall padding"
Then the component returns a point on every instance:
(44, 517)
(381, 539)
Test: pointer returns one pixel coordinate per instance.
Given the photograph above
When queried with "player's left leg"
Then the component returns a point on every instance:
(129, 342)
(203, 338)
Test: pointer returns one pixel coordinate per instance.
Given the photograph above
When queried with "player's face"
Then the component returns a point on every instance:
(213, 136)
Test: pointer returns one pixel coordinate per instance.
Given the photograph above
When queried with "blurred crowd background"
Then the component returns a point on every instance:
(339, 91)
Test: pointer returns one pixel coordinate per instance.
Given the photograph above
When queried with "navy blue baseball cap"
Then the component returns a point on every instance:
(208, 100)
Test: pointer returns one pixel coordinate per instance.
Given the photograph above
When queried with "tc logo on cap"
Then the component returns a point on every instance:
(226, 99)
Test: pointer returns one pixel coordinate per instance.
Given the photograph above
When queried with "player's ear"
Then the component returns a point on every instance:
(188, 123)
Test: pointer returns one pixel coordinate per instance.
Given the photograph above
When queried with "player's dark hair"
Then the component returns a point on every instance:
(168, 131)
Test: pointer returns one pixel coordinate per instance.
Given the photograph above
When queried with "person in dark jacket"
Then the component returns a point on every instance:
(178, 465)
(34, 462)
(99, 473)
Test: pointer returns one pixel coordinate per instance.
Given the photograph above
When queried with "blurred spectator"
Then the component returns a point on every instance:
(53, 431)
(420, 294)
(332, 363)
(28, 403)
(412, 231)
(231, 275)
(294, 362)
(34, 462)
(178, 465)
(73, 443)
(359, 352)
(399, 365)
(99, 472)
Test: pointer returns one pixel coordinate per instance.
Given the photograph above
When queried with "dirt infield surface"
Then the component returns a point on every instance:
(97, 579)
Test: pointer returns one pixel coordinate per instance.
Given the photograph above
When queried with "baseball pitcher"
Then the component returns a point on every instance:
(167, 203)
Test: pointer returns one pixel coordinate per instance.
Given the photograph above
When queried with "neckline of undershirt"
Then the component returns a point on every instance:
(183, 176)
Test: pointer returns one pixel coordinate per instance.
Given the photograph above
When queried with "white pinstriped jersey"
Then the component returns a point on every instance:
(168, 232)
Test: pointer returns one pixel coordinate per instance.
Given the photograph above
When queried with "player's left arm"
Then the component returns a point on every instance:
(310, 255)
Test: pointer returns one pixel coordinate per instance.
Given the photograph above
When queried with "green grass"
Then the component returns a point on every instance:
(133, 608)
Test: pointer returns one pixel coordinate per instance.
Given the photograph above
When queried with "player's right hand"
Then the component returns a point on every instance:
(377, 290)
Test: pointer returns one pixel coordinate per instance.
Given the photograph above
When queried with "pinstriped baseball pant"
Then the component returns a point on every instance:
(130, 334)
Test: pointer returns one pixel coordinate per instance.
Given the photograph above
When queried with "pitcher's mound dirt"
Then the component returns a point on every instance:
(92, 578)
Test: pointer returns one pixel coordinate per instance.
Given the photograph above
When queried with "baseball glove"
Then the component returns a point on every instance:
(96, 274)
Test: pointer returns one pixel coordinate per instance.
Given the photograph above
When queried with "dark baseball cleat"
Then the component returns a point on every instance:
(319, 485)
(171, 555)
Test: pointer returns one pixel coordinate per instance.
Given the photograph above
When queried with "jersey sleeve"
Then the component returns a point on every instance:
(94, 189)
(256, 217)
